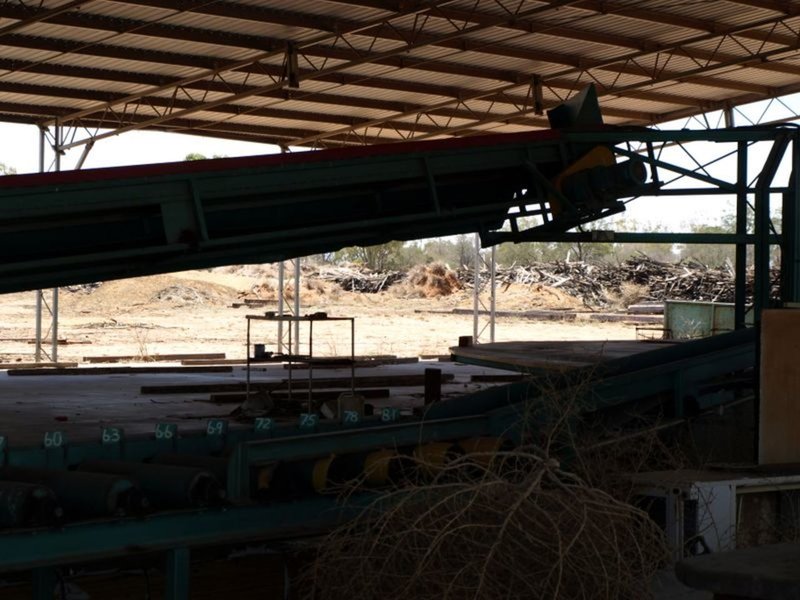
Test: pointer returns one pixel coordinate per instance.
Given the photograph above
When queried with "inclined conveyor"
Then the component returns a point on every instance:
(83, 226)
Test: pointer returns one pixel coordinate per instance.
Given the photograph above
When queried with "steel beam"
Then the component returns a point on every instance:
(178, 574)
(177, 531)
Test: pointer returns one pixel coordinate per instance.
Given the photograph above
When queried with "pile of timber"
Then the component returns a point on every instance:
(595, 284)
(365, 281)
(599, 284)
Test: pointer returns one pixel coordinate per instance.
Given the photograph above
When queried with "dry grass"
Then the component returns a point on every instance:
(629, 293)
(519, 528)
(513, 524)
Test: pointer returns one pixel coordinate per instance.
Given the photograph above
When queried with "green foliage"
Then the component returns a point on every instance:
(712, 255)
(459, 251)
(7, 170)
(664, 252)
(378, 258)
(198, 156)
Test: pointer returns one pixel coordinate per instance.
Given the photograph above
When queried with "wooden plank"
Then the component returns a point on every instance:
(153, 357)
(646, 309)
(779, 408)
(535, 314)
(198, 362)
(120, 370)
(361, 361)
(322, 383)
(496, 378)
(624, 318)
(35, 365)
(436, 357)
(252, 303)
(550, 355)
(299, 395)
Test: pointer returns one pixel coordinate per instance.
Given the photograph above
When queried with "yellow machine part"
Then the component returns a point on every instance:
(264, 477)
(599, 156)
(481, 450)
(433, 457)
(376, 467)
(319, 474)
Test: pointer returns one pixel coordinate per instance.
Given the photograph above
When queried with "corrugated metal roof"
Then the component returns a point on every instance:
(369, 70)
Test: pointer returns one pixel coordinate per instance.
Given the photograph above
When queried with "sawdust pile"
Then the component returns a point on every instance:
(184, 295)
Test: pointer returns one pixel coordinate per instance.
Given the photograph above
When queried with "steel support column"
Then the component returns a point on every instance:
(177, 574)
(43, 583)
(740, 259)
(478, 307)
(289, 341)
(761, 284)
(41, 303)
(790, 229)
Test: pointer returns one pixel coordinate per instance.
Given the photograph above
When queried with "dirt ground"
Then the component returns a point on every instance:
(191, 312)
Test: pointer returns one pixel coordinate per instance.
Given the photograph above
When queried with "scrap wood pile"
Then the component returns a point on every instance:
(360, 279)
(428, 281)
(599, 284)
(595, 284)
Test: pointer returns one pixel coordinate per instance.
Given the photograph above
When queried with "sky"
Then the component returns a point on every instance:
(19, 148)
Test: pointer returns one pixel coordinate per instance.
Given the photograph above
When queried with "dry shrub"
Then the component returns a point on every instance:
(514, 524)
(519, 529)
(264, 291)
(311, 290)
(431, 281)
(629, 293)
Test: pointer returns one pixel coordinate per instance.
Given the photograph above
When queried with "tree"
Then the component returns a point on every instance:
(6, 170)
(198, 156)
(378, 258)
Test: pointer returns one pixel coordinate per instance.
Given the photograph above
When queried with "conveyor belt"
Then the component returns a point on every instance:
(73, 227)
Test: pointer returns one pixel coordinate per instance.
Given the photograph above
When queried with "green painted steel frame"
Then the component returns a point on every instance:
(683, 370)
(781, 140)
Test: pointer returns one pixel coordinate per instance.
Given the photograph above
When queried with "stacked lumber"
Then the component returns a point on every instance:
(600, 284)
(595, 284)
(361, 280)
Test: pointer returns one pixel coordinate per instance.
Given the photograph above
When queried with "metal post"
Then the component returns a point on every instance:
(38, 353)
(728, 115)
(247, 354)
(177, 574)
(44, 583)
(761, 284)
(353, 356)
(281, 271)
(476, 288)
(58, 133)
(493, 292)
(297, 305)
(38, 316)
(477, 304)
(740, 262)
(54, 327)
(790, 229)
